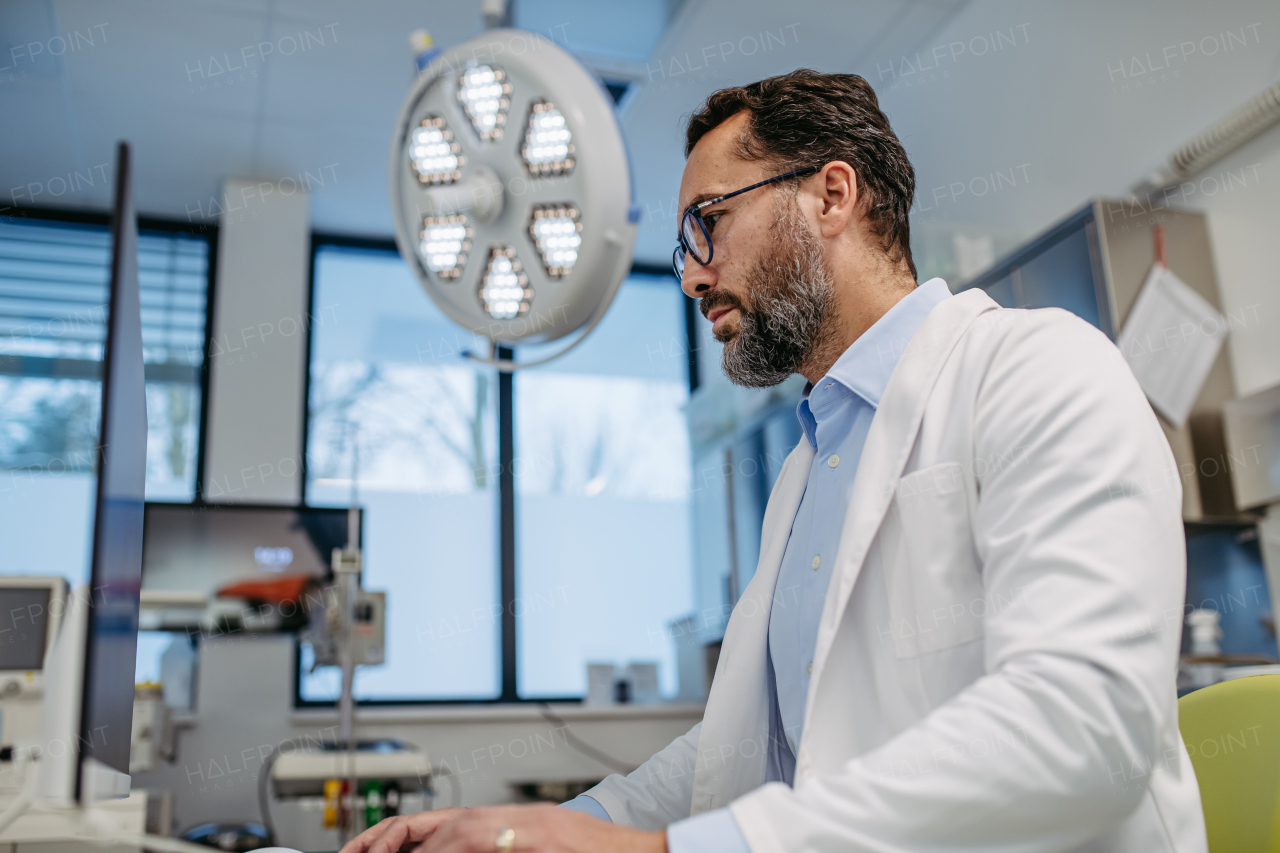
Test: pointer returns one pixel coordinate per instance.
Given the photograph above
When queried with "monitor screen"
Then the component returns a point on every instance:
(1059, 269)
(24, 627)
(203, 548)
(106, 718)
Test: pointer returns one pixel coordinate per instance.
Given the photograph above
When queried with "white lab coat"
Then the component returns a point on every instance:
(994, 668)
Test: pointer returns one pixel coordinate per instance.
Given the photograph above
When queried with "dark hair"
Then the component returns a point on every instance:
(809, 119)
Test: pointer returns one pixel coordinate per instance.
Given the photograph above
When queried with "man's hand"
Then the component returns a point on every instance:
(538, 829)
(400, 832)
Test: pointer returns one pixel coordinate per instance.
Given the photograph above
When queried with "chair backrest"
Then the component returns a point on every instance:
(1232, 732)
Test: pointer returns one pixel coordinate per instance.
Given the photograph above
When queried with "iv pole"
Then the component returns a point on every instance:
(346, 570)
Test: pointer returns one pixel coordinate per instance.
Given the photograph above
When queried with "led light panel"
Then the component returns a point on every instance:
(445, 241)
(557, 233)
(511, 190)
(434, 154)
(483, 92)
(548, 144)
(504, 289)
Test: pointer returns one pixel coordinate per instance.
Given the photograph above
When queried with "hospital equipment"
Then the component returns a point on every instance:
(236, 567)
(311, 788)
(32, 608)
(511, 190)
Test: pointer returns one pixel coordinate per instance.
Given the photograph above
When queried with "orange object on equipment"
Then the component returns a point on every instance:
(273, 590)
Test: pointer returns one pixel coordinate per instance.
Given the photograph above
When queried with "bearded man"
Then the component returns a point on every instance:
(979, 539)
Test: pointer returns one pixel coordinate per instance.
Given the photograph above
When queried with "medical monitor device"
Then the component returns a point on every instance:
(511, 190)
(204, 547)
(88, 714)
(30, 611)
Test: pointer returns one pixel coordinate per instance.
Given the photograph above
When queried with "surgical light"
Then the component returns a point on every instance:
(526, 238)
(504, 290)
(557, 233)
(483, 92)
(548, 143)
(433, 152)
(445, 243)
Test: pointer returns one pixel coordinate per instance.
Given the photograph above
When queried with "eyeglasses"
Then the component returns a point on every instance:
(695, 237)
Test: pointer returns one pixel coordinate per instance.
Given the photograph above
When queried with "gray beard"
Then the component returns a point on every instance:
(791, 296)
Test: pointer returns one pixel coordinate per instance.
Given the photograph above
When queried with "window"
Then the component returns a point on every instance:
(54, 280)
(392, 400)
(604, 554)
(601, 468)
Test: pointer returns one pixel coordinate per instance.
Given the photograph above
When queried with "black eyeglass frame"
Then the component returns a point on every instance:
(695, 211)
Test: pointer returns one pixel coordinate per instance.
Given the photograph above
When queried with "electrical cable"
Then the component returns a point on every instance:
(264, 792)
(582, 746)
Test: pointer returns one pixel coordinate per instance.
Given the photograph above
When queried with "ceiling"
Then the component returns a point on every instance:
(308, 90)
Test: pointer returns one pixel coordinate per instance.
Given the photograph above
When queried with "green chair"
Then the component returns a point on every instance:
(1232, 731)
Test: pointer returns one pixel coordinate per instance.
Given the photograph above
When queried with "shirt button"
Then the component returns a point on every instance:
(815, 562)
(808, 670)
(833, 460)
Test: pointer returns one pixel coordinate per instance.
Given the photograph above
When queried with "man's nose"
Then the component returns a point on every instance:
(697, 280)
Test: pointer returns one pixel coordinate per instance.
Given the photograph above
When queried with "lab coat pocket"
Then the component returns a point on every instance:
(935, 589)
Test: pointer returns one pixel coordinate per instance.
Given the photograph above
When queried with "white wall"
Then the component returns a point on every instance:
(1067, 106)
(1089, 97)
(257, 358)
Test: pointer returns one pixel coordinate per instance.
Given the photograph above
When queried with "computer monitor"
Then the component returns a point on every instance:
(206, 547)
(30, 608)
(105, 617)
(1062, 268)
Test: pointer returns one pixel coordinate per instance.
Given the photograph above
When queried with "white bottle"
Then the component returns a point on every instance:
(177, 672)
(1205, 633)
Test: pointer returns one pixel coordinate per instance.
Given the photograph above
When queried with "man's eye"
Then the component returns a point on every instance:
(710, 220)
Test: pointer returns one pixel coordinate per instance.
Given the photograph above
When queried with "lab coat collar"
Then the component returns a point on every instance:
(865, 367)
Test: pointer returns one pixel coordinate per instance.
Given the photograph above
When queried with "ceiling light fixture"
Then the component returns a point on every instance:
(559, 191)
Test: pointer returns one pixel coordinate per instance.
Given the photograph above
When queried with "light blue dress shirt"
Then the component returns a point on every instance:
(835, 416)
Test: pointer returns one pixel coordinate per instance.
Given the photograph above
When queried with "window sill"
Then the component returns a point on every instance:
(501, 713)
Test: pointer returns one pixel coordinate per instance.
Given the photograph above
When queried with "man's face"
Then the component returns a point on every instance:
(767, 291)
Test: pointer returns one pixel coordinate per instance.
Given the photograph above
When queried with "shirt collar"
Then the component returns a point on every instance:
(865, 367)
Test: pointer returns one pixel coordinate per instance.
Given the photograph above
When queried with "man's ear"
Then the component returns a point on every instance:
(837, 188)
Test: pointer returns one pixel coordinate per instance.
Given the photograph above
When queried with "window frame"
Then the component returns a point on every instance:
(508, 646)
(31, 214)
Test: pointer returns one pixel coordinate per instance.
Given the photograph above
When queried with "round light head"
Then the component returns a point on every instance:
(511, 190)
